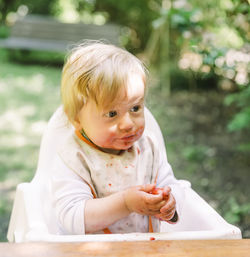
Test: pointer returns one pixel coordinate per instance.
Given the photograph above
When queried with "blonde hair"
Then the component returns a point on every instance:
(98, 71)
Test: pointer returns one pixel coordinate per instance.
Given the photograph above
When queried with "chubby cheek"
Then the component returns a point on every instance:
(140, 126)
(106, 138)
(109, 137)
(141, 130)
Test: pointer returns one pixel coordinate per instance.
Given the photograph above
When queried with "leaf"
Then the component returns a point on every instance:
(177, 19)
(244, 147)
(240, 120)
(229, 99)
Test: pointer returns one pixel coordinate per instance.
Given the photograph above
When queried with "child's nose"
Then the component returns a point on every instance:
(126, 123)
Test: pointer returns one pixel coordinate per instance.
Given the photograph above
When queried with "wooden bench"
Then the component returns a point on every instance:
(34, 32)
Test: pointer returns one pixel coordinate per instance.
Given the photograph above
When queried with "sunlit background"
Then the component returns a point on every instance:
(198, 55)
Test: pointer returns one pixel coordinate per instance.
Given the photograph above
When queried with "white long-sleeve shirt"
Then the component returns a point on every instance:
(78, 167)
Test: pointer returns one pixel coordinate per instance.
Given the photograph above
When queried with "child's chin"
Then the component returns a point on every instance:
(119, 147)
(122, 147)
(127, 147)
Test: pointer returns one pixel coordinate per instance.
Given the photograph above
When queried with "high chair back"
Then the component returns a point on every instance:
(31, 219)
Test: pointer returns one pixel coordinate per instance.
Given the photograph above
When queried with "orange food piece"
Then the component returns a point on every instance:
(156, 191)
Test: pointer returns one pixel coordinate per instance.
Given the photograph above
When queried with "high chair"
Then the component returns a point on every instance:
(30, 221)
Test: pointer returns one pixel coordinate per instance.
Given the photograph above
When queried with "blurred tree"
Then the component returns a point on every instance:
(201, 40)
(39, 6)
(135, 16)
(6, 6)
(174, 24)
(36, 7)
(225, 52)
(241, 120)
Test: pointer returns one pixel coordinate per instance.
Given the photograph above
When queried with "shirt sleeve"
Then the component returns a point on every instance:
(69, 195)
(165, 176)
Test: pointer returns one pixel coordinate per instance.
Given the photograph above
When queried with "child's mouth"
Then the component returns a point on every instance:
(133, 137)
(129, 138)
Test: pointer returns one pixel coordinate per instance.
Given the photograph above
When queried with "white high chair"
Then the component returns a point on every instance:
(30, 221)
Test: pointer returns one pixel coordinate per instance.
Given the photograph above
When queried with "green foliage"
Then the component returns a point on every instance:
(4, 31)
(241, 99)
(241, 120)
(135, 16)
(195, 153)
(7, 6)
(36, 57)
(201, 150)
(212, 43)
(243, 147)
(15, 6)
(236, 212)
(38, 6)
(183, 19)
(210, 53)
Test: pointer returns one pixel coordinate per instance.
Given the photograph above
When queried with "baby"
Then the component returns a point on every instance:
(105, 172)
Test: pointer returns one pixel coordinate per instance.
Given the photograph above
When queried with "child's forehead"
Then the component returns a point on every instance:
(123, 102)
(126, 96)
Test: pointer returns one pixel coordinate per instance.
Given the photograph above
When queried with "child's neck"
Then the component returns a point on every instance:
(106, 150)
(111, 151)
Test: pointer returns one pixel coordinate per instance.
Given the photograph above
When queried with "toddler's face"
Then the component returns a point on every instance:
(120, 126)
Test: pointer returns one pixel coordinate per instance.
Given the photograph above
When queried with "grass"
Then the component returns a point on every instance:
(28, 97)
(199, 147)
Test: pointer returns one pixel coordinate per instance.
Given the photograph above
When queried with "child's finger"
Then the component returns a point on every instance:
(147, 188)
(153, 199)
(157, 206)
(166, 211)
(170, 215)
(160, 205)
(170, 204)
(166, 191)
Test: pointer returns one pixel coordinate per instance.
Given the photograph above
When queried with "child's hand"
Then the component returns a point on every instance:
(168, 210)
(139, 199)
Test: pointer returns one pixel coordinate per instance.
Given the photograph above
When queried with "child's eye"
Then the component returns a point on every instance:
(111, 114)
(135, 108)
